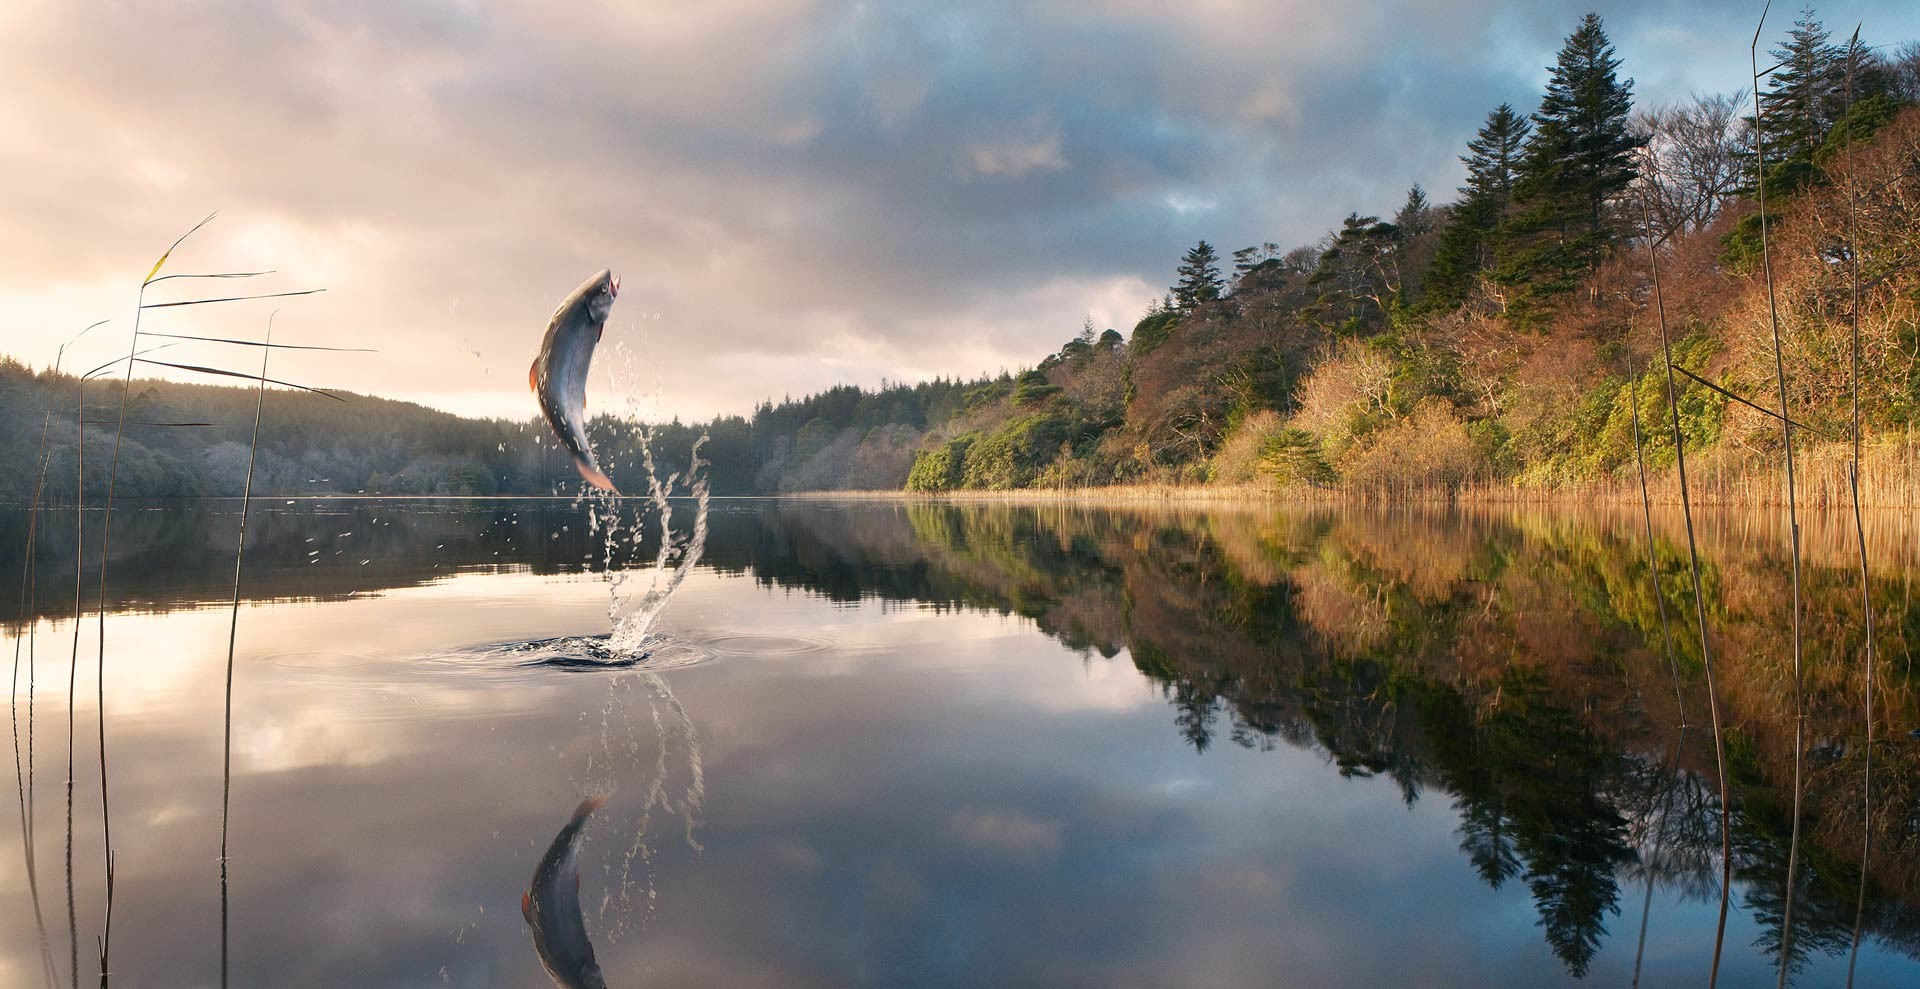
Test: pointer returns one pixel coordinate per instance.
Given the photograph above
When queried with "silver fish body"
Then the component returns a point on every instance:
(552, 908)
(559, 374)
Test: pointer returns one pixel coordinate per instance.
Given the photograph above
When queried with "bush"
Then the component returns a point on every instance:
(939, 468)
(1429, 449)
(1012, 456)
(1293, 456)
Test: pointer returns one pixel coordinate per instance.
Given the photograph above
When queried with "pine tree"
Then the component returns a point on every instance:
(1579, 160)
(1467, 243)
(1803, 97)
(1416, 214)
(1199, 273)
(1493, 156)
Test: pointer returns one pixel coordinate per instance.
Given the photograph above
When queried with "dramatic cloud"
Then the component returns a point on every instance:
(795, 193)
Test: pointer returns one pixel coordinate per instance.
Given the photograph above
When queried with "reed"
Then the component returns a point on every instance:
(233, 635)
(73, 659)
(1653, 560)
(1699, 602)
(25, 632)
(135, 355)
(1793, 513)
(1870, 651)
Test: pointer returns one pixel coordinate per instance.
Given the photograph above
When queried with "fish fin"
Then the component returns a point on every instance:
(595, 478)
(533, 376)
(589, 805)
(526, 905)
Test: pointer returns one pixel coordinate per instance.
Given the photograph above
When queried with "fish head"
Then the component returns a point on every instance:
(605, 286)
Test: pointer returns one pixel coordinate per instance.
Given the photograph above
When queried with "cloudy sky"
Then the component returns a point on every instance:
(795, 193)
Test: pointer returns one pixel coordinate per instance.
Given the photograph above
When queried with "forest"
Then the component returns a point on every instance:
(1505, 338)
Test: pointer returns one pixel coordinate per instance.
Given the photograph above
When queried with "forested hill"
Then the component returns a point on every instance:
(1507, 335)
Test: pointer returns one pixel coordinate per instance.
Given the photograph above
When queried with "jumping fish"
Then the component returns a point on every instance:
(558, 376)
(552, 908)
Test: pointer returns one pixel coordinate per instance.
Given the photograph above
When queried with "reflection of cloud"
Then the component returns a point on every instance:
(1007, 831)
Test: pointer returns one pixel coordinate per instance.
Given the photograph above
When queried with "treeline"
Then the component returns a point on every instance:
(186, 440)
(1507, 336)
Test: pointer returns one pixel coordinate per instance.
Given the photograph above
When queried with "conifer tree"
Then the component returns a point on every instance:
(1803, 96)
(1199, 273)
(1416, 214)
(1466, 245)
(1579, 160)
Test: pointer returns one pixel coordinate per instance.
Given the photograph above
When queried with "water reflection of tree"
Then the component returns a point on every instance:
(1515, 667)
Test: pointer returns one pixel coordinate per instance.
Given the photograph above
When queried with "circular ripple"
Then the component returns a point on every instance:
(759, 644)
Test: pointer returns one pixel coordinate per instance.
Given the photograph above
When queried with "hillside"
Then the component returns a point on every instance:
(1507, 337)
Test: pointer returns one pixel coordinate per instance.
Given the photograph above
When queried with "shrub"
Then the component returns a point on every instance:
(1429, 449)
(939, 468)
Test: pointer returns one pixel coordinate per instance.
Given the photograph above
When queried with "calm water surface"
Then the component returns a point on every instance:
(915, 744)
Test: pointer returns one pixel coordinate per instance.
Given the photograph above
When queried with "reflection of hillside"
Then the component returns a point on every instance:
(1516, 664)
(1512, 664)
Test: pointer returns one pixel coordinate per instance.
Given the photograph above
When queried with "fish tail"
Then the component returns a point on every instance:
(595, 478)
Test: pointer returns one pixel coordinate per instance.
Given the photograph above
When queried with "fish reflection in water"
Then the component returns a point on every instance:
(672, 783)
(551, 905)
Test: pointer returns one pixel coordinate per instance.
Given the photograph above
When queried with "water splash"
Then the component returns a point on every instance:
(673, 786)
(632, 612)
(621, 523)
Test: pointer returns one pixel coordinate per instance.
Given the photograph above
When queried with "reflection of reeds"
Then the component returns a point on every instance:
(25, 633)
(1853, 478)
(1793, 513)
(1700, 605)
(73, 658)
(134, 356)
(1653, 568)
(233, 633)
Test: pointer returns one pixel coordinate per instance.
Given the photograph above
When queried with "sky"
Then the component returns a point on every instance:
(795, 194)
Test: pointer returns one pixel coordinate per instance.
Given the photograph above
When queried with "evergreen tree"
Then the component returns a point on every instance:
(1578, 161)
(1199, 273)
(1493, 156)
(1416, 215)
(1467, 242)
(1357, 279)
(1803, 97)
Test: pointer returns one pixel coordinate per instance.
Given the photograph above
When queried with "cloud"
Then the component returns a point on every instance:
(1007, 832)
(1015, 157)
(795, 192)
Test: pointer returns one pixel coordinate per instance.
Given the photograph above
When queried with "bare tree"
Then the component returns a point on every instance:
(1691, 165)
(1902, 66)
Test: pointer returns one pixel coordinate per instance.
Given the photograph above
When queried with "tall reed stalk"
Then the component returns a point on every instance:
(1699, 603)
(1868, 662)
(26, 632)
(1793, 512)
(73, 659)
(1653, 560)
(233, 635)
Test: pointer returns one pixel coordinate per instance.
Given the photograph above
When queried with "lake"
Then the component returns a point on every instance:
(910, 743)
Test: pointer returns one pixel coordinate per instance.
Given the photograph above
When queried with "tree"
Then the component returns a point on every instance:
(1416, 215)
(1803, 97)
(1467, 241)
(1579, 160)
(1357, 278)
(1692, 165)
(1199, 273)
(1493, 156)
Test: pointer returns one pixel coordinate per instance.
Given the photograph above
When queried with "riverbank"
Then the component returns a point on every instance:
(1889, 480)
